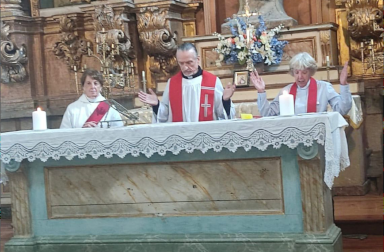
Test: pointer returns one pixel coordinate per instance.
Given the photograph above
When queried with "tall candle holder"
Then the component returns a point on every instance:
(374, 60)
(144, 81)
(117, 69)
(328, 67)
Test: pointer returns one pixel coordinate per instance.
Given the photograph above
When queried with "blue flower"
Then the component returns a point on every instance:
(264, 45)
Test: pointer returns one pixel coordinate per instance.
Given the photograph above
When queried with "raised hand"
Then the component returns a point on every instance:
(228, 91)
(150, 99)
(344, 74)
(257, 81)
(91, 124)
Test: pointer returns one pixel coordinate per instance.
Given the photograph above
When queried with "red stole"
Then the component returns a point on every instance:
(207, 97)
(99, 112)
(312, 95)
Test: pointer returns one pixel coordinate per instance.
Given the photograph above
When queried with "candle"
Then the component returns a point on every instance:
(144, 82)
(371, 41)
(362, 45)
(248, 35)
(327, 61)
(74, 68)
(286, 104)
(39, 119)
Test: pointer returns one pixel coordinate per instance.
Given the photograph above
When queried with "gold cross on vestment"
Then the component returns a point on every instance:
(206, 105)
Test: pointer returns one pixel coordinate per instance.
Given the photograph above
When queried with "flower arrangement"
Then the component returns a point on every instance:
(247, 43)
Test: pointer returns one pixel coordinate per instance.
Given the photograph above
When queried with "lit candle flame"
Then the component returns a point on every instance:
(285, 92)
(38, 109)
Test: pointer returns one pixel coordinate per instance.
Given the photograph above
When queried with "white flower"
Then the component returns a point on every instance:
(241, 55)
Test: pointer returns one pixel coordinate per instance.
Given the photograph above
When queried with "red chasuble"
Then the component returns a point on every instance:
(99, 112)
(207, 97)
(312, 95)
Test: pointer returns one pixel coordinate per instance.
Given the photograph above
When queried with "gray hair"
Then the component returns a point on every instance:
(186, 47)
(302, 61)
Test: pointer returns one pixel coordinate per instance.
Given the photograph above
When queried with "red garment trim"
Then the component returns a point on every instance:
(312, 95)
(99, 112)
(176, 97)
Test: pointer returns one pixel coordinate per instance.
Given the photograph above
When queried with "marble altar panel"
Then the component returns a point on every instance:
(190, 188)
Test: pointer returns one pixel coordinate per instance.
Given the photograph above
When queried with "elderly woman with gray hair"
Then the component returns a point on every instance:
(310, 95)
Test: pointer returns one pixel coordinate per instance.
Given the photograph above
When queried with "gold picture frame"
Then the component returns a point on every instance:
(241, 78)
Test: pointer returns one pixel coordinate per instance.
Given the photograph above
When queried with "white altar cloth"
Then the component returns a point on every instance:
(325, 128)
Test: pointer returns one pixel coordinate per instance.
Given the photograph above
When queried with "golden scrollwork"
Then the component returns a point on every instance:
(113, 49)
(113, 23)
(71, 47)
(364, 19)
(12, 58)
(158, 40)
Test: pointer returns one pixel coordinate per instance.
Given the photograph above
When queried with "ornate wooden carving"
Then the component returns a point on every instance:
(158, 40)
(71, 47)
(113, 22)
(12, 58)
(364, 19)
(35, 5)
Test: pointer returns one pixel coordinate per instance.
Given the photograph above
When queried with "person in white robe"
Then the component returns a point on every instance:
(191, 87)
(302, 68)
(78, 112)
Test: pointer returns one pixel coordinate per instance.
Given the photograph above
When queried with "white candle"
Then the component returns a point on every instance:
(248, 34)
(144, 82)
(39, 119)
(327, 59)
(286, 104)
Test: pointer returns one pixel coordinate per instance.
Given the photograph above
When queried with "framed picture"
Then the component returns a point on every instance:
(241, 79)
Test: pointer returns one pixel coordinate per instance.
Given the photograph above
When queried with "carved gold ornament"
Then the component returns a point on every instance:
(113, 49)
(71, 47)
(12, 58)
(158, 40)
(364, 18)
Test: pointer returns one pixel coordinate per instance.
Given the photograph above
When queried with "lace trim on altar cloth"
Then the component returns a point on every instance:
(260, 139)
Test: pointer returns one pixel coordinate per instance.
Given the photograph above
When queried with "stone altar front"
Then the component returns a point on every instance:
(217, 186)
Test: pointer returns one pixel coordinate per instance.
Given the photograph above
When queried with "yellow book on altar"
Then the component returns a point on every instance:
(246, 116)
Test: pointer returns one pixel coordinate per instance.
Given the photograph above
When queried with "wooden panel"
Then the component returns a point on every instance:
(296, 46)
(315, 196)
(21, 219)
(168, 189)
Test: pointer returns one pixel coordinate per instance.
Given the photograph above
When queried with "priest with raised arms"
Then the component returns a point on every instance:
(91, 109)
(310, 95)
(193, 94)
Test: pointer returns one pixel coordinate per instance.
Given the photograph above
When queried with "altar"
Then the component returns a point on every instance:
(237, 185)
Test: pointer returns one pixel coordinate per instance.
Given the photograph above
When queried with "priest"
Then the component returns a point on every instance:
(91, 109)
(310, 95)
(193, 94)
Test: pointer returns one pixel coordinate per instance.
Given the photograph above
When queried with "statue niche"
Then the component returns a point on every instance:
(272, 11)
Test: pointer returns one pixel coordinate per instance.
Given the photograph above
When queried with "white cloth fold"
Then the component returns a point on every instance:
(325, 128)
